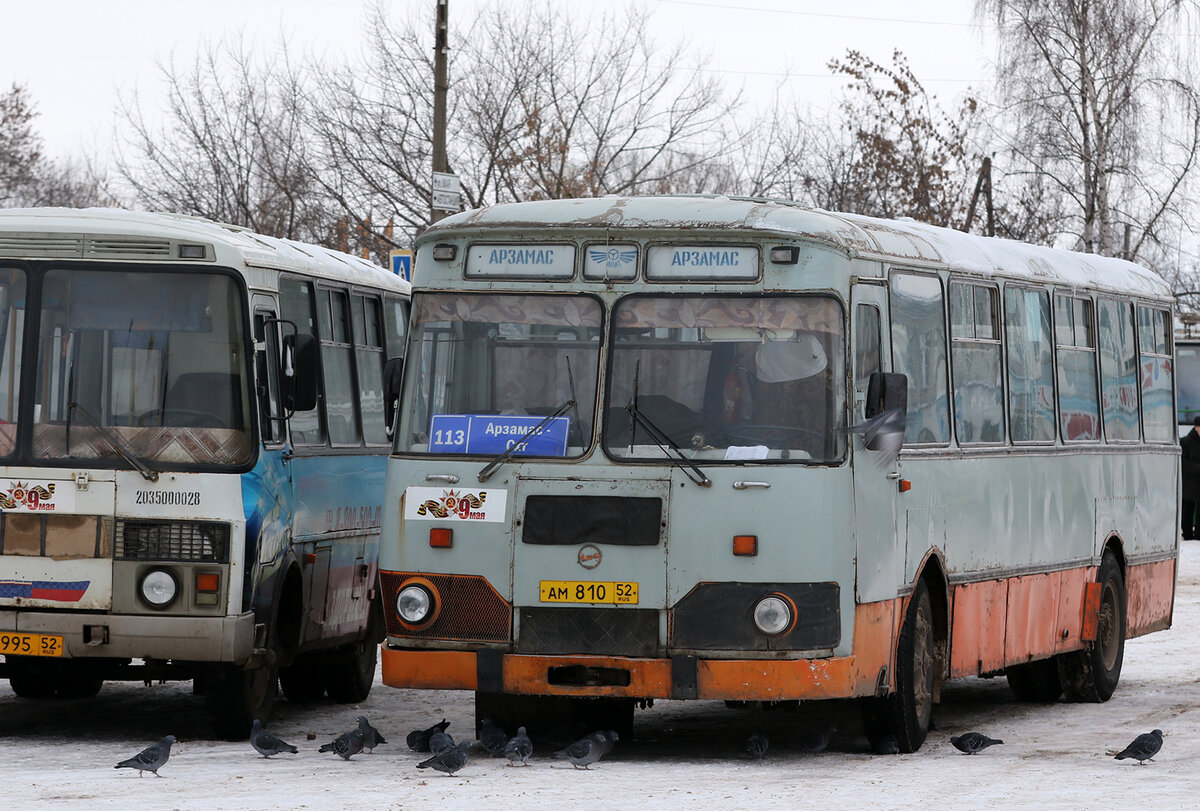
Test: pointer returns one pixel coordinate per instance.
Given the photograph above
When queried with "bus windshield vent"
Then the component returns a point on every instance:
(101, 248)
(172, 540)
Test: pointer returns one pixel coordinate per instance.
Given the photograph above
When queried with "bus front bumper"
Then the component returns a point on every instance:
(106, 636)
(680, 677)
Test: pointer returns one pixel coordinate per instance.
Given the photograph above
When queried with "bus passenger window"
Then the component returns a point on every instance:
(1030, 365)
(919, 352)
(975, 362)
(1078, 408)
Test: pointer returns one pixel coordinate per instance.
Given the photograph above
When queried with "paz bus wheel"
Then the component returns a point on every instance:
(902, 718)
(303, 681)
(350, 670)
(1092, 674)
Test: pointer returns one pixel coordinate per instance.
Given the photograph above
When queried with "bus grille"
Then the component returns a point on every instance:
(601, 631)
(470, 610)
(172, 540)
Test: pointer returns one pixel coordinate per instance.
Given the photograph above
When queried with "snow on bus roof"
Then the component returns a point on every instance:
(255, 250)
(904, 241)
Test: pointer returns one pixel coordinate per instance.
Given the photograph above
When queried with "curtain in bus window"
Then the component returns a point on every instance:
(1118, 370)
(1156, 373)
(919, 351)
(975, 361)
(12, 328)
(1030, 365)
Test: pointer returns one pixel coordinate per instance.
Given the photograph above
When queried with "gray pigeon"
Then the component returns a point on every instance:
(448, 761)
(440, 741)
(267, 744)
(1143, 748)
(756, 745)
(587, 750)
(371, 736)
(883, 433)
(418, 739)
(492, 737)
(817, 740)
(150, 759)
(519, 748)
(971, 742)
(346, 745)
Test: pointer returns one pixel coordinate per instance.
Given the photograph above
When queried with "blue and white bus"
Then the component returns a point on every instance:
(192, 445)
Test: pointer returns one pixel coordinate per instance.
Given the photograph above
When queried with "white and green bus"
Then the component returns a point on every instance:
(622, 467)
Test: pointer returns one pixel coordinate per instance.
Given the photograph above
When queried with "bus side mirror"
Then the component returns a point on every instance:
(393, 374)
(301, 372)
(886, 391)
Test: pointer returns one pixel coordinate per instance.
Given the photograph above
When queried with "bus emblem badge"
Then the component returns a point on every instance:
(589, 557)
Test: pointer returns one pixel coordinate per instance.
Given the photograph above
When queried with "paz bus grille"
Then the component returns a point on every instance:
(600, 631)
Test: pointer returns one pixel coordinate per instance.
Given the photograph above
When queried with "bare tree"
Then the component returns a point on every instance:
(232, 146)
(1102, 111)
(543, 105)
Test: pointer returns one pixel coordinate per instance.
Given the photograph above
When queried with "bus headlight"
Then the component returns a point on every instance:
(159, 588)
(414, 604)
(774, 614)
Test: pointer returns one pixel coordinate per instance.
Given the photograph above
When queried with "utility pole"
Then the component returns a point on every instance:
(983, 184)
(441, 84)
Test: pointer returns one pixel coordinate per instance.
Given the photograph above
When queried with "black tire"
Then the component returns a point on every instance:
(77, 686)
(1092, 674)
(236, 696)
(31, 686)
(902, 718)
(31, 678)
(350, 670)
(1035, 681)
(303, 681)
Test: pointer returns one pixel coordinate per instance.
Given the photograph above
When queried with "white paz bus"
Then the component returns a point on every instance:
(192, 444)
(622, 467)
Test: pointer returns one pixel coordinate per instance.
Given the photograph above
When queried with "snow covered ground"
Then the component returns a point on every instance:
(687, 754)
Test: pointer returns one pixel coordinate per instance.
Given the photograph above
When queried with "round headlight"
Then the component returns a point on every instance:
(773, 614)
(414, 604)
(159, 588)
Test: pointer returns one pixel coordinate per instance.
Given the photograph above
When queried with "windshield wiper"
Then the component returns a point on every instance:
(147, 474)
(491, 466)
(669, 448)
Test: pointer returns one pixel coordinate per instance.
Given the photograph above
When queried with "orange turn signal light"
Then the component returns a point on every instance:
(441, 537)
(208, 582)
(905, 485)
(745, 545)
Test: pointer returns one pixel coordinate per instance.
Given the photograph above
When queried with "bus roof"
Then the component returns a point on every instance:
(119, 235)
(905, 241)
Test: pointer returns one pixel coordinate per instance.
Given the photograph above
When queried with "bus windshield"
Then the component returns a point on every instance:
(1187, 377)
(157, 359)
(728, 378)
(491, 367)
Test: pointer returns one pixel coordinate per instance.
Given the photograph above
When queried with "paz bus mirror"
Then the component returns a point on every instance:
(301, 372)
(886, 391)
(393, 374)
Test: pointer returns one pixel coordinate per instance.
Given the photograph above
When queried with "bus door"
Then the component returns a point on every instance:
(595, 546)
(880, 547)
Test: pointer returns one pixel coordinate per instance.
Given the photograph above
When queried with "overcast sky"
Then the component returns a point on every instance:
(77, 56)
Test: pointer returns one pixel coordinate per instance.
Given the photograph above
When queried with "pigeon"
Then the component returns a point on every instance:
(492, 737)
(440, 741)
(418, 739)
(371, 735)
(152, 758)
(883, 433)
(756, 745)
(267, 744)
(518, 748)
(817, 741)
(971, 742)
(346, 745)
(1143, 748)
(448, 761)
(587, 750)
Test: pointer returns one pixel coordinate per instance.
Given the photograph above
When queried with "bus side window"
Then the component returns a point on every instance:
(297, 303)
(266, 373)
(919, 352)
(866, 353)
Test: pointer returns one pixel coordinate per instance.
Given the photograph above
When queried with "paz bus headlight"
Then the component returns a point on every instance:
(774, 614)
(414, 604)
(159, 588)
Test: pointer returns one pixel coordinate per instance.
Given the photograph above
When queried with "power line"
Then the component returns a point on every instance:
(813, 13)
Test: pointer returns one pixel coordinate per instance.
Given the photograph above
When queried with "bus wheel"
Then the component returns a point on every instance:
(236, 696)
(350, 670)
(303, 681)
(1035, 681)
(78, 686)
(1092, 674)
(26, 686)
(901, 720)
